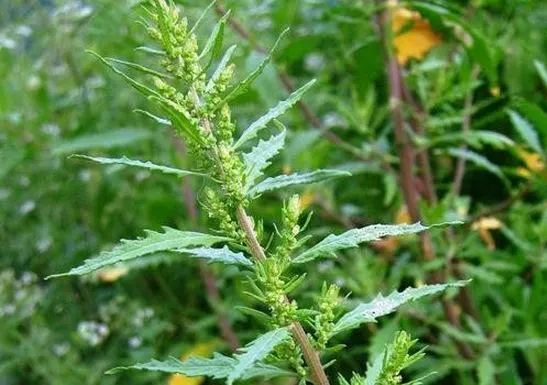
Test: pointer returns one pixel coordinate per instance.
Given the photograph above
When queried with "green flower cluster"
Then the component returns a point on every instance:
(324, 320)
(200, 102)
(398, 359)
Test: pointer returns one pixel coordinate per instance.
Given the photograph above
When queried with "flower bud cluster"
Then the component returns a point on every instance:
(181, 47)
(199, 104)
(290, 228)
(324, 321)
(218, 210)
(397, 358)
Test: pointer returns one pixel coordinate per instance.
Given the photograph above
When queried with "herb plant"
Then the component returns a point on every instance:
(192, 93)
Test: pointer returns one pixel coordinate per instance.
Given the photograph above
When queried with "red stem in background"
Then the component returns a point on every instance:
(406, 155)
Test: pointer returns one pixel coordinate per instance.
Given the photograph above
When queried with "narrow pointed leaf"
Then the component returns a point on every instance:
(159, 120)
(245, 85)
(283, 181)
(354, 237)
(380, 306)
(223, 255)
(137, 163)
(256, 351)
(150, 50)
(179, 118)
(153, 242)
(272, 114)
(526, 131)
(135, 84)
(140, 68)
(259, 158)
(477, 160)
(199, 20)
(220, 67)
(214, 43)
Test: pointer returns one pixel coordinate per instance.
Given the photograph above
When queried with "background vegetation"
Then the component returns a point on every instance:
(447, 123)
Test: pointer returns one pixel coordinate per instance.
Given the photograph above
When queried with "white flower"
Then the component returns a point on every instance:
(51, 129)
(27, 207)
(61, 349)
(23, 30)
(135, 342)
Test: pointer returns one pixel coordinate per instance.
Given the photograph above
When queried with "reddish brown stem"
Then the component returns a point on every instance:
(310, 355)
(406, 155)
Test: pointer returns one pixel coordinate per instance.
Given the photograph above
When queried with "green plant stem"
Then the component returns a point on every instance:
(310, 355)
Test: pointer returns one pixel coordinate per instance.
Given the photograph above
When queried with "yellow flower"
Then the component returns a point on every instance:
(483, 226)
(202, 349)
(112, 274)
(415, 42)
(533, 161)
(307, 199)
(402, 215)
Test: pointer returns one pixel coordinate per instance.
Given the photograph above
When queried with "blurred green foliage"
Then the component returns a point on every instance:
(55, 211)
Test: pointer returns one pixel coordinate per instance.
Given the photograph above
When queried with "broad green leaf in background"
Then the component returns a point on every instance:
(354, 237)
(153, 242)
(109, 139)
(223, 255)
(272, 114)
(526, 131)
(380, 306)
(283, 181)
(259, 157)
(140, 164)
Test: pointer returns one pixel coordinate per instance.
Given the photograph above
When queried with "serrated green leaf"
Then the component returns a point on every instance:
(354, 237)
(255, 352)
(526, 131)
(109, 139)
(379, 306)
(477, 160)
(374, 369)
(283, 181)
(220, 67)
(246, 83)
(258, 159)
(153, 242)
(272, 114)
(223, 255)
(217, 367)
(137, 163)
